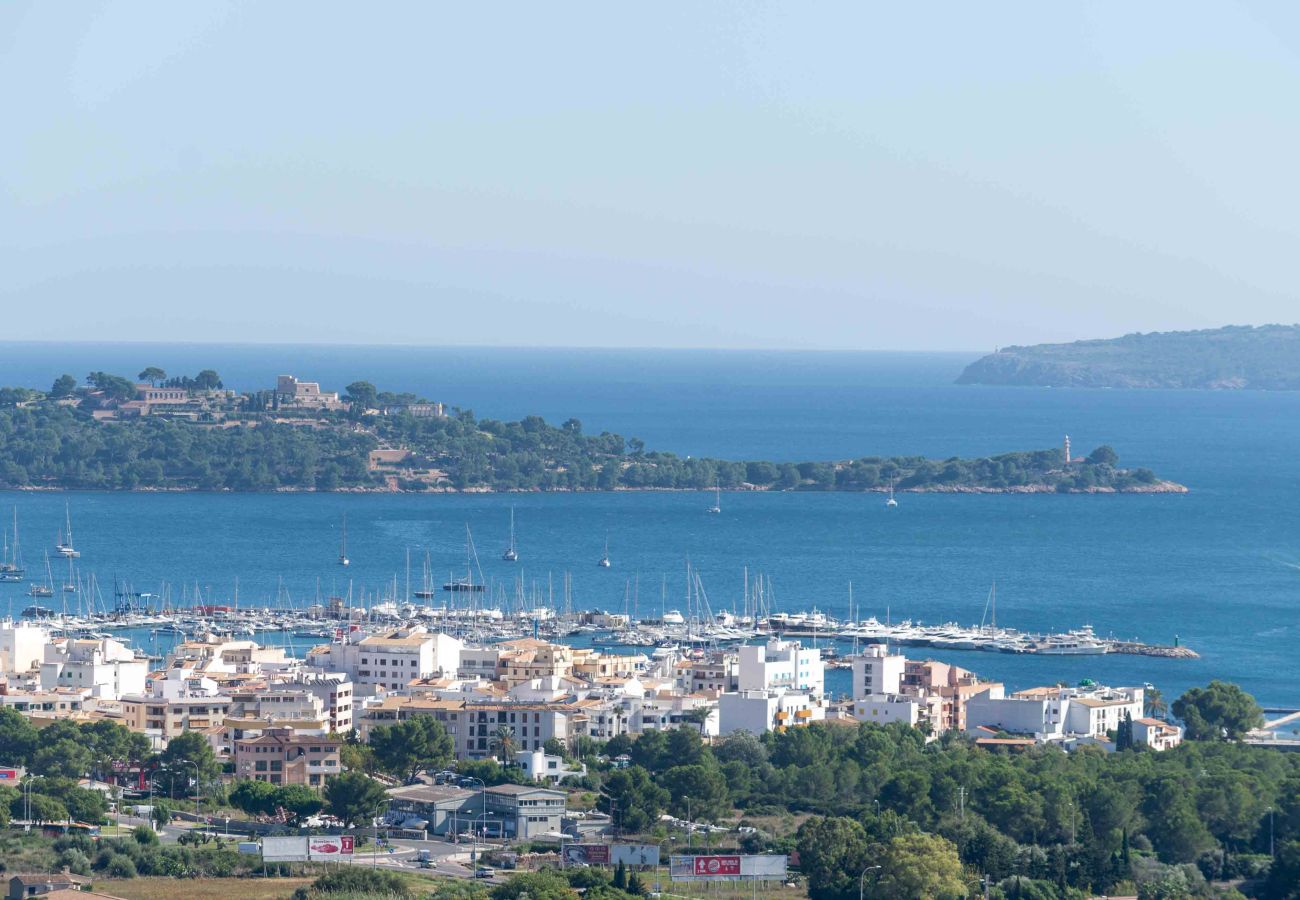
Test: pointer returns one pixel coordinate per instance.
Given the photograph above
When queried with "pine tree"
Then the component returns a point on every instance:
(620, 877)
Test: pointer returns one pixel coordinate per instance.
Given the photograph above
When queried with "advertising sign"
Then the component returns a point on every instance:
(717, 865)
(329, 847)
(635, 854)
(727, 868)
(611, 854)
(284, 849)
(8, 774)
(586, 854)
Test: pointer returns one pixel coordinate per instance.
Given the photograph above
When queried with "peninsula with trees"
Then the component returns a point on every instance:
(1232, 358)
(192, 433)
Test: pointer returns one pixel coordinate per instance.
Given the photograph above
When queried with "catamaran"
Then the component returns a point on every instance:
(511, 554)
(891, 501)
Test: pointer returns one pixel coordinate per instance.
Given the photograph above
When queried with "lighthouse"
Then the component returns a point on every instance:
(1067, 449)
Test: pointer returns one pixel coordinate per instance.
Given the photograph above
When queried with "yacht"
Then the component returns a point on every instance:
(717, 500)
(891, 502)
(343, 543)
(604, 560)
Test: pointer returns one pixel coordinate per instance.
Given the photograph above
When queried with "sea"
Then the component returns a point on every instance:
(1216, 569)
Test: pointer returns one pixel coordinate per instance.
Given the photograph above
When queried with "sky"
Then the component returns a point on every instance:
(805, 176)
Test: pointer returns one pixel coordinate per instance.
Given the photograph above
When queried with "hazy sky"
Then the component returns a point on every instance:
(670, 174)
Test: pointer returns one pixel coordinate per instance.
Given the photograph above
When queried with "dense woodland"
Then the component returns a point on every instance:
(247, 444)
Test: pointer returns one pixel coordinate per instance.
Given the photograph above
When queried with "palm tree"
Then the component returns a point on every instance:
(699, 716)
(1154, 702)
(503, 744)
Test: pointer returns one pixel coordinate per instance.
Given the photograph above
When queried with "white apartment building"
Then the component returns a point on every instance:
(22, 646)
(877, 671)
(781, 665)
(391, 660)
(667, 711)
(759, 711)
(107, 668)
(882, 709)
(1054, 713)
(1040, 716)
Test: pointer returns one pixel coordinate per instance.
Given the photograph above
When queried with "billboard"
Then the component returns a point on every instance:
(7, 774)
(729, 867)
(586, 854)
(611, 854)
(329, 847)
(284, 849)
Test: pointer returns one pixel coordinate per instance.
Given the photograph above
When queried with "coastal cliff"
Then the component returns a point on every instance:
(1231, 358)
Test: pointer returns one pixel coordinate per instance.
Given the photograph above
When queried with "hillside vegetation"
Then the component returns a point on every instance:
(74, 438)
(1231, 358)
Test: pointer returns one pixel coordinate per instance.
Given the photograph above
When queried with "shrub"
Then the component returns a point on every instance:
(121, 867)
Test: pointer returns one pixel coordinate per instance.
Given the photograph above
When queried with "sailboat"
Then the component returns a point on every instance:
(511, 554)
(717, 502)
(64, 546)
(11, 568)
(891, 502)
(46, 589)
(343, 543)
(604, 560)
(468, 584)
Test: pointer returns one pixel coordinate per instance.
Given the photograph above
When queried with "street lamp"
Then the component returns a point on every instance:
(482, 794)
(862, 879)
(197, 775)
(473, 836)
(27, 801)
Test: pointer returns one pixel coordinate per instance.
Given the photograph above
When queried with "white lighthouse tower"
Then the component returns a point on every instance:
(1067, 449)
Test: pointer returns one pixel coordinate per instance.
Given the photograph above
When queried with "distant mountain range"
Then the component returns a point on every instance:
(1237, 357)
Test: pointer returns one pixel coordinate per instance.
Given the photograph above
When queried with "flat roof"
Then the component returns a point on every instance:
(516, 789)
(430, 793)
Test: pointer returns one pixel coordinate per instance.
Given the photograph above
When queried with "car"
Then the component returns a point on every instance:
(484, 872)
(428, 864)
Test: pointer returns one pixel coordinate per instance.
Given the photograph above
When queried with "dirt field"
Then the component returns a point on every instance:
(201, 888)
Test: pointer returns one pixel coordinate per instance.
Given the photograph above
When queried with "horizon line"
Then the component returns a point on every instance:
(409, 346)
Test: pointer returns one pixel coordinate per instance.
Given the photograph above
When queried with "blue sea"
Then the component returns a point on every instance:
(1218, 569)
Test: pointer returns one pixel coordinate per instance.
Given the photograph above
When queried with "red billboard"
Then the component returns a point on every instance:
(330, 847)
(717, 865)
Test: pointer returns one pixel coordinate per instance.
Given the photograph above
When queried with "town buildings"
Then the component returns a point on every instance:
(391, 659)
(888, 687)
(290, 392)
(107, 668)
(283, 756)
